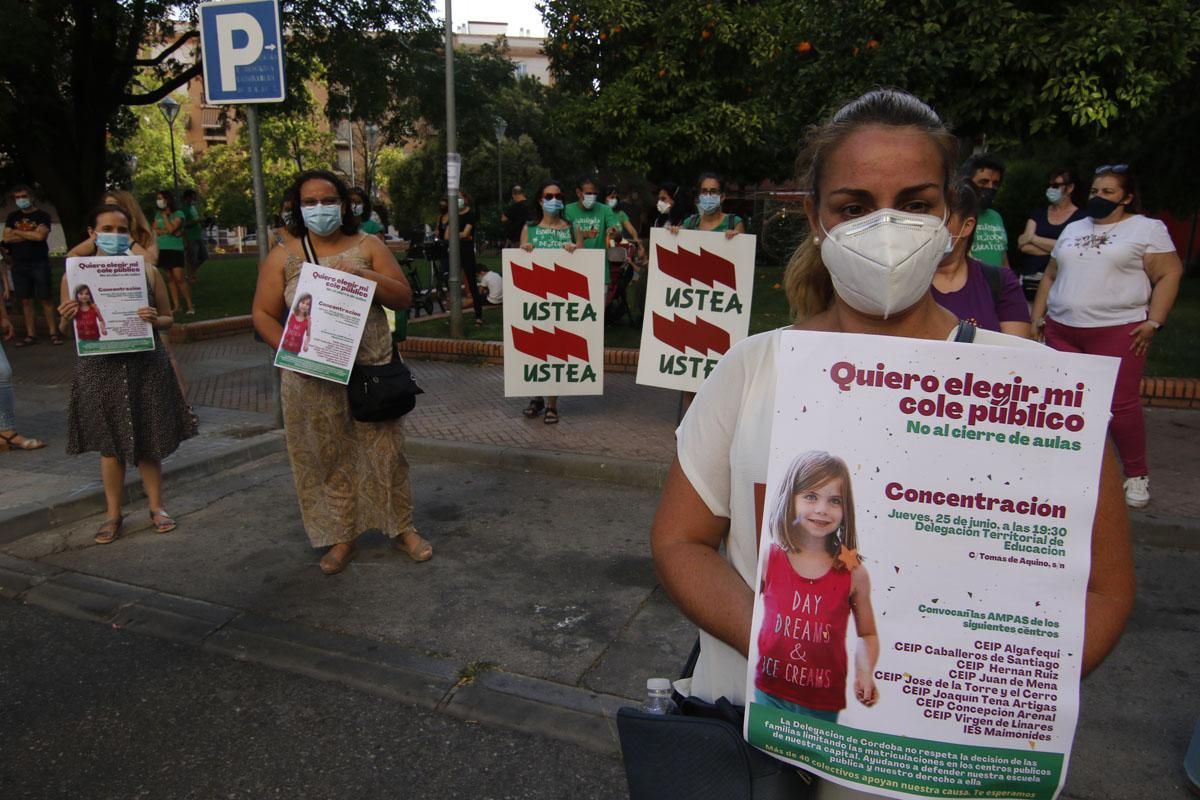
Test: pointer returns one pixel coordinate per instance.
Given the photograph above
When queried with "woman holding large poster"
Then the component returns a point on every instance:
(878, 172)
(126, 406)
(350, 476)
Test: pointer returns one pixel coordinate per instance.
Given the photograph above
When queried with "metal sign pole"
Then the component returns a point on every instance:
(262, 233)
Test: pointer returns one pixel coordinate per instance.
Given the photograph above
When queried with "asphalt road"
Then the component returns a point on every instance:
(87, 711)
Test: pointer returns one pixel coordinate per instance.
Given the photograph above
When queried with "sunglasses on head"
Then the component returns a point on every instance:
(1117, 168)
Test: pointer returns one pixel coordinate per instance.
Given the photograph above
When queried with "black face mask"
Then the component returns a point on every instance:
(1099, 208)
(986, 196)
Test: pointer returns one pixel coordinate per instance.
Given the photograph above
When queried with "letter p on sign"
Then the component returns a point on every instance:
(242, 51)
(233, 56)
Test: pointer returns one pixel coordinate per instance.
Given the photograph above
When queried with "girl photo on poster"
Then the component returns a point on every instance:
(298, 331)
(89, 322)
(813, 582)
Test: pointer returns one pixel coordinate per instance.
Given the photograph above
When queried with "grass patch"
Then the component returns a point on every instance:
(1174, 354)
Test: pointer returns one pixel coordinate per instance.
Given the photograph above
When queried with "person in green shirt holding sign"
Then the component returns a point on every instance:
(591, 220)
(549, 230)
(711, 218)
(991, 240)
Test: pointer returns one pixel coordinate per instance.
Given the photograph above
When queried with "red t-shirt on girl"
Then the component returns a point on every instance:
(87, 323)
(802, 642)
(293, 337)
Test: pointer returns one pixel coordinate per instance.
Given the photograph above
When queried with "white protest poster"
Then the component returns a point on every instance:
(698, 295)
(109, 290)
(325, 323)
(553, 322)
(923, 562)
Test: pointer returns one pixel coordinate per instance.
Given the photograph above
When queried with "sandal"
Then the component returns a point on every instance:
(56, 340)
(534, 409)
(334, 561)
(28, 340)
(162, 520)
(26, 443)
(415, 546)
(109, 531)
(551, 417)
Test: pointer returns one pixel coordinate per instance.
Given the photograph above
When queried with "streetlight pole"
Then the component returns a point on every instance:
(501, 127)
(170, 110)
(453, 168)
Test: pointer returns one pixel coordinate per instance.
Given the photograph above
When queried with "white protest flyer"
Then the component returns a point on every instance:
(109, 290)
(325, 323)
(553, 322)
(923, 562)
(698, 295)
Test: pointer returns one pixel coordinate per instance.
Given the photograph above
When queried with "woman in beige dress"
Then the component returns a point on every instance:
(350, 476)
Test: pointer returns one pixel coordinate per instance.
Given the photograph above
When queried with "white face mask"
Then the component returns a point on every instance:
(663, 206)
(160, 203)
(884, 262)
(589, 200)
(612, 202)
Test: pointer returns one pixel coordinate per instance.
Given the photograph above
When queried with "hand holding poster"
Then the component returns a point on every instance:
(325, 324)
(553, 322)
(923, 563)
(698, 295)
(109, 291)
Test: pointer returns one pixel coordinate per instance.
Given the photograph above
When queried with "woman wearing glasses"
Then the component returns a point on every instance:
(1044, 226)
(550, 230)
(711, 217)
(1109, 285)
(350, 476)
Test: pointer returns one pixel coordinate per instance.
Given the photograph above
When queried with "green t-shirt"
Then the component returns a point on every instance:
(592, 223)
(991, 240)
(728, 222)
(370, 226)
(192, 230)
(168, 241)
(549, 237)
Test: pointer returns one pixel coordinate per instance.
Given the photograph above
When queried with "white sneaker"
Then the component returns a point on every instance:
(1137, 492)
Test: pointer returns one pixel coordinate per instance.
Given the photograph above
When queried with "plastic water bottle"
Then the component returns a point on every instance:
(658, 697)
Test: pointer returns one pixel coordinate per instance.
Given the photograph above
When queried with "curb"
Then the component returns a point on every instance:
(23, 520)
(620, 471)
(510, 700)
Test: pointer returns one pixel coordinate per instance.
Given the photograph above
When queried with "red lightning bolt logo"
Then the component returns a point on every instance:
(680, 334)
(542, 344)
(558, 281)
(707, 268)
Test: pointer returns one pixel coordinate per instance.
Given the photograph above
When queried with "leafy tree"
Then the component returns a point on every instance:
(68, 68)
(669, 87)
(150, 150)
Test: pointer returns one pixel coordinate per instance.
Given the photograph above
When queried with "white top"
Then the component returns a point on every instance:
(1101, 277)
(493, 284)
(724, 444)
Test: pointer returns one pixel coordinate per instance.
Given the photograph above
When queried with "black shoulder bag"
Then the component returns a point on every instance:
(381, 392)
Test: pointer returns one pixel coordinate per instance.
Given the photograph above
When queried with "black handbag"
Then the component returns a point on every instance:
(699, 752)
(382, 392)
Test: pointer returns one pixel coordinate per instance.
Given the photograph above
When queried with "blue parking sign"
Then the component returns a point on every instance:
(242, 50)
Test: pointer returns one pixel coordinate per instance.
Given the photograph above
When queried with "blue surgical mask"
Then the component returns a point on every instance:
(112, 244)
(709, 203)
(1054, 194)
(553, 207)
(322, 220)
(24, 203)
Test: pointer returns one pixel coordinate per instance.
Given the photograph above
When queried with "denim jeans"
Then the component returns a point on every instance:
(8, 401)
